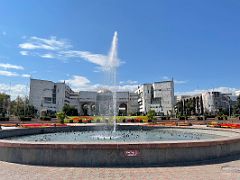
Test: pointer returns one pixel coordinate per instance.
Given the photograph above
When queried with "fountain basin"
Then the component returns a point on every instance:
(91, 154)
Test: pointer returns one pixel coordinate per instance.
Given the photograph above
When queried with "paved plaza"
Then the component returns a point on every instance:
(228, 169)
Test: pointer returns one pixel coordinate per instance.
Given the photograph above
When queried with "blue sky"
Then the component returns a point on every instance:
(195, 42)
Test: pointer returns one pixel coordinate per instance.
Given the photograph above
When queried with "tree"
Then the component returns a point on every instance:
(151, 115)
(22, 107)
(189, 107)
(179, 108)
(4, 104)
(61, 116)
(236, 108)
(70, 110)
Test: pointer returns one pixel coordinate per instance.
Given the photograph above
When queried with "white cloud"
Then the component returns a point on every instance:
(129, 82)
(14, 90)
(219, 89)
(180, 82)
(49, 56)
(4, 33)
(61, 49)
(24, 53)
(77, 82)
(8, 73)
(52, 44)
(98, 59)
(166, 78)
(11, 66)
(26, 75)
(132, 82)
(128, 87)
(81, 83)
(13, 74)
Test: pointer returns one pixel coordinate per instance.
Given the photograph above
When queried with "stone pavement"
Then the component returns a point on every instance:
(224, 170)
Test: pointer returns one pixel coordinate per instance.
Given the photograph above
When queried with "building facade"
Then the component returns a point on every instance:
(50, 96)
(158, 96)
(205, 103)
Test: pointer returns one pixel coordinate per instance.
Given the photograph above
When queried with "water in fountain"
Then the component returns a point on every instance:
(111, 73)
(113, 61)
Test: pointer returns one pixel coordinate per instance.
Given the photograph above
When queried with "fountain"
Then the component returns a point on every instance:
(111, 70)
(130, 145)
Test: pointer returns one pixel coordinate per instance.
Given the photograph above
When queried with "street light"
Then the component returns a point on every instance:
(229, 106)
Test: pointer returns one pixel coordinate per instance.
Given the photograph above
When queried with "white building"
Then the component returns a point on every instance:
(206, 103)
(215, 101)
(50, 96)
(47, 95)
(158, 96)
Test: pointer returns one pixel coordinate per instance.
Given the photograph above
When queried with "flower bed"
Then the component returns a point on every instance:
(229, 125)
(98, 119)
(224, 125)
(38, 125)
(80, 119)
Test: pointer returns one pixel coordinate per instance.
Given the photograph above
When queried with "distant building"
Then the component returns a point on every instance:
(50, 96)
(158, 96)
(205, 103)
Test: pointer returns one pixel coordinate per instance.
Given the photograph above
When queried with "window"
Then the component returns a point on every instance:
(47, 100)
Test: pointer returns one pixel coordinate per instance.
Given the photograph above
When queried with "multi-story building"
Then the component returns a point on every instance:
(213, 102)
(50, 96)
(158, 96)
(205, 103)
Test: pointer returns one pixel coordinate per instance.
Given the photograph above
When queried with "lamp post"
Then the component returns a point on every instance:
(229, 107)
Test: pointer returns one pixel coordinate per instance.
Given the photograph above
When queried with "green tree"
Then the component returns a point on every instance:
(189, 107)
(151, 115)
(70, 110)
(236, 108)
(61, 116)
(22, 107)
(4, 104)
(179, 108)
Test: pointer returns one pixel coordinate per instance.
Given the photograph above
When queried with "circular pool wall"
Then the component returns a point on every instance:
(114, 153)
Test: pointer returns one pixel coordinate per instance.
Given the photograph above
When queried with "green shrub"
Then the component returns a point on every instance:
(61, 116)
(151, 115)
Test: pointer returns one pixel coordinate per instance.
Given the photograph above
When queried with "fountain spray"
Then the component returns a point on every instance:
(112, 68)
